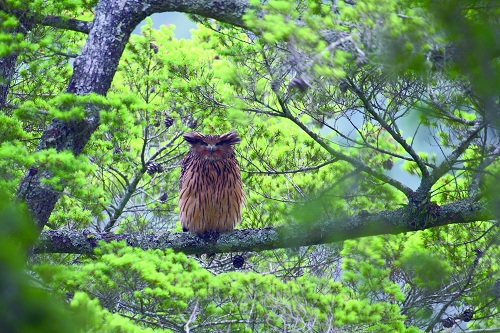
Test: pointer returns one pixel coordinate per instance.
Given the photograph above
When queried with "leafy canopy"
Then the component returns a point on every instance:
(339, 106)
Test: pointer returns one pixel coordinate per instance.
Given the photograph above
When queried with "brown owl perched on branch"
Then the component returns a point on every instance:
(211, 191)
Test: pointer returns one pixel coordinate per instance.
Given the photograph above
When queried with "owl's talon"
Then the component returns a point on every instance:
(210, 236)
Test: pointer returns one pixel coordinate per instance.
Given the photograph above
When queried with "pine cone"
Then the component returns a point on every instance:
(343, 86)
(238, 261)
(448, 322)
(163, 197)
(153, 168)
(168, 121)
(467, 315)
(153, 47)
(388, 164)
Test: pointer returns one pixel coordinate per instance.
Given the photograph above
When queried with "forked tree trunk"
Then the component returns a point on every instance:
(93, 72)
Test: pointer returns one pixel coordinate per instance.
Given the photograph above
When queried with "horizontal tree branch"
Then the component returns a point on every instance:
(290, 235)
(228, 11)
(63, 23)
(49, 20)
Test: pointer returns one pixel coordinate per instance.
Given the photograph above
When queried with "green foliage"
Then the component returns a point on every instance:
(10, 129)
(25, 306)
(428, 271)
(11, 41)
(317, 90)
(151, 281)
(94, 318)
(13, 162)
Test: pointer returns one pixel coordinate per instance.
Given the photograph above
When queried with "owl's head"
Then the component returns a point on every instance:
(212, 147)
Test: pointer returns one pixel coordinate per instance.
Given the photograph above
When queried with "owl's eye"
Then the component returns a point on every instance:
(219, 143)
(203, 143)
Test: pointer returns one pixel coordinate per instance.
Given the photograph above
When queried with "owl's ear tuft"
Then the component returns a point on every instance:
(230, 137)
(193, 137)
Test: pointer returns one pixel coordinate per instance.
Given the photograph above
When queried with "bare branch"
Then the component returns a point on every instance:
(389, 129)
(269, 113)
(301, 169)
(451, 159)
(192, 317)
(446, 113)
(462, 289)
(338, 155)
(64, 23)
(165, 146)
(365, 144)
(132, 185)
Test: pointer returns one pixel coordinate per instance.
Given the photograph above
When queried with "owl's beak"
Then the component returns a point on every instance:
(211, 148)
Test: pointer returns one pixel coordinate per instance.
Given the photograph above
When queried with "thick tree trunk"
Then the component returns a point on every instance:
(93, 72)
(7, 70)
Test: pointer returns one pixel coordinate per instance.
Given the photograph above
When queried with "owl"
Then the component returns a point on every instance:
(211, 192)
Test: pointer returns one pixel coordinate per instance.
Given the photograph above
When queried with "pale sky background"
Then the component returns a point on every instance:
(180, 20)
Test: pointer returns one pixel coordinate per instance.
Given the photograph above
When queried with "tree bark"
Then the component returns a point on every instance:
(93, 72)
(290, 235)
(7, 70)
